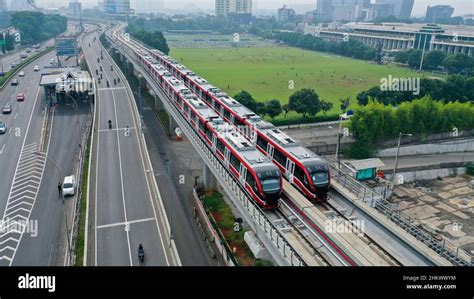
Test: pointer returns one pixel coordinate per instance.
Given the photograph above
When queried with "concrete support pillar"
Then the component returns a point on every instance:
(470, 52)
(173, 126)
(158, 103)
(209, 180)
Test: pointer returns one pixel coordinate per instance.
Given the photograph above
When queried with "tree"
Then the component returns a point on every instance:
(414, 58)
(246, 99)
(305, 102)
(286, 108)
(261, 109)
(274, 108)
(345, 102)
(459, 63)
(326, 106)
(434, 59)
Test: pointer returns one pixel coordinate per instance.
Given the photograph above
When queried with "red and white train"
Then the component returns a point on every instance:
(300, 166)
(255, 172)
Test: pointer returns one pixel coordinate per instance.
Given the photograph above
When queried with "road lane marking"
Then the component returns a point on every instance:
(110, 88)
(16, 115)
(125, 223)
(118, 129)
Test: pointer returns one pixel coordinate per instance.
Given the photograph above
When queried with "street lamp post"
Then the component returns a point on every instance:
(396, 157)
(140, 108)
(68, 236)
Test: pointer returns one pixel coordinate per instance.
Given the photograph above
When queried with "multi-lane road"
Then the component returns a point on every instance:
(124, 208)
(33, 230)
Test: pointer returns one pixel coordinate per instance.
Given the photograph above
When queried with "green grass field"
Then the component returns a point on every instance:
(266, 72)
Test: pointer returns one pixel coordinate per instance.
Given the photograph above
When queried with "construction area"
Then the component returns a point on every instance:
(444, 207)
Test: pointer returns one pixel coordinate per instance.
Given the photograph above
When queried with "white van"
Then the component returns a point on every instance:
(69, 185)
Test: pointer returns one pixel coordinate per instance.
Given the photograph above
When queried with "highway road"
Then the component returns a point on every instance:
(29, 187)
(123, 211)
(22, 137)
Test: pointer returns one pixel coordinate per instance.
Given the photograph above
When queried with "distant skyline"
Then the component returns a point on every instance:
(461, 7)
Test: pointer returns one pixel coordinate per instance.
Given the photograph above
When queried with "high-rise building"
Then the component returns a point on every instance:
(146, 6)
(437, 12)
(401, 8)
(286, 14)
(75, 8)
(225, 7)
(324, 9)
(336, 10)
(3, 5)
(117, 8)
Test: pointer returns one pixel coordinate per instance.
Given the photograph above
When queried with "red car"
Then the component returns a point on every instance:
(20, 97)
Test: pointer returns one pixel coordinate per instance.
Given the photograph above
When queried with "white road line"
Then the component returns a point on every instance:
(1, 151)
(110, 88)
(16, 114)
(124, 223)
(118, 129)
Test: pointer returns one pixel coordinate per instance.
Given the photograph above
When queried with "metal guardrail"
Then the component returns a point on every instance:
(374, 200)
(260, 223)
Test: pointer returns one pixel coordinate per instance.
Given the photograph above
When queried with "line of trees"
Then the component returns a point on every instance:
(36, 27)
(376, 122)
(305, 102)
(351, 48)
(8, 43)
(153, 39)
(454, 88)
(454, 64)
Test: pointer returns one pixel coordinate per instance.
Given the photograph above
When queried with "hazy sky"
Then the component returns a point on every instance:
(461, 7)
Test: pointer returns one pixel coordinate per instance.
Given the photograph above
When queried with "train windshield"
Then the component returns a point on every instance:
(270, 181)
(319, 174)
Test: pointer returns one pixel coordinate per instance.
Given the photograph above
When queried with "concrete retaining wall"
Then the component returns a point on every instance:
(464, 145)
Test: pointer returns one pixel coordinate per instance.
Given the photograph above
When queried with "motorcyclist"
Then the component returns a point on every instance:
(108, 84)
(110, 124)
(97, 72)
(141, 252)
(115, 81)
(101, 77)
(118, 79)
(111, 68)
(100, 66)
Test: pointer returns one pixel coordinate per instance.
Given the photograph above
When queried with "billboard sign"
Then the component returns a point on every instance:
(66, 46)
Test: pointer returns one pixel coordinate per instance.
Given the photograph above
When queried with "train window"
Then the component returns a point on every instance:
(217, 106)
(238, 123)
(220, 146)
(262, 142)
(234, 162)
(202, 127)
(209, 134)
(226, 114)
(279, 157)
(299, 173)
(186, 109)
(251, 181)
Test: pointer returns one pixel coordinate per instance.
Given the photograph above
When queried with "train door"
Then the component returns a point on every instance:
(243, 174)
(270, 150)
(290, 169)
(227, 158)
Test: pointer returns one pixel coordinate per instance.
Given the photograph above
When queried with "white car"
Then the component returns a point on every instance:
(3, 127)
(21, 74)
(37, 68)
(69, 185)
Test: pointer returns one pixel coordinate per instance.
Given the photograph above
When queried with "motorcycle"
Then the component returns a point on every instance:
(100, 66)
(115, 82)
(141, 253)
(111, 68)
(97, 72)
(101, 77)
(108, 84)
(110, 124)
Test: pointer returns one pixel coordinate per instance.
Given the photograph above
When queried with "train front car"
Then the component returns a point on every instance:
(319, 178)
(270, 181)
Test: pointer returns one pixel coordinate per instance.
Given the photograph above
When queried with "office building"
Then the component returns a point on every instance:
(438, 12)
(75, 8)
(286, 14)
(226, 7)
(401, 8)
